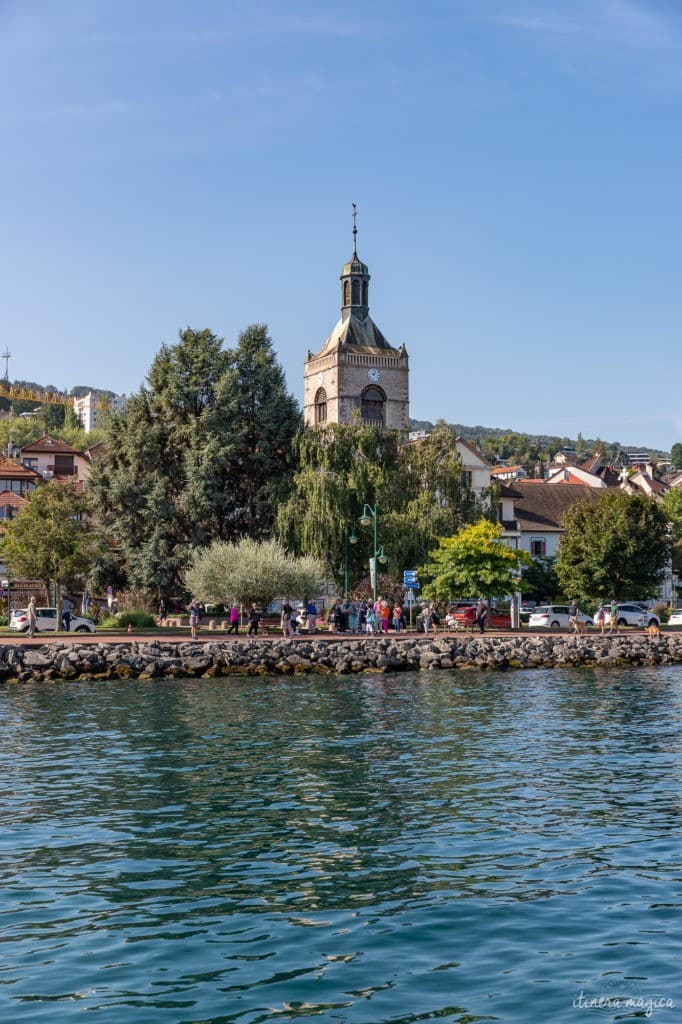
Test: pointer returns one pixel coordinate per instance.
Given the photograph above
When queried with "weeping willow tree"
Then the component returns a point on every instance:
(420, 492)
(342, 468)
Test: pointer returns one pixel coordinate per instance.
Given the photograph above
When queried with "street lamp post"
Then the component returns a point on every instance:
(370, 515)
(348, 538)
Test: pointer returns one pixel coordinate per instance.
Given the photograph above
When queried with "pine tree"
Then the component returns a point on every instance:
(198, 454)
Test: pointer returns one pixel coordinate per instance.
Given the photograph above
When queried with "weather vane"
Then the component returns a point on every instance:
(355, 230)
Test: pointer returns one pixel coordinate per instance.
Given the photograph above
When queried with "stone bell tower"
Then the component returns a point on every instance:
(357, 374)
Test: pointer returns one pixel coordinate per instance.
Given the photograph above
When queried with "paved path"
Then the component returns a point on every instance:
(208, 637)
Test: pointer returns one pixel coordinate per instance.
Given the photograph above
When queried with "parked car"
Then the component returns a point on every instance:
(46, 621)
(632, 615)
(554, 616)
(466, 616)
(675, 617)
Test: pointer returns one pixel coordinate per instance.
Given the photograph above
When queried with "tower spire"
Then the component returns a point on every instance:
(355, 231)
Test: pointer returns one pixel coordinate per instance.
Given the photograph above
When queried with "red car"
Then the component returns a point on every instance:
(465, 617)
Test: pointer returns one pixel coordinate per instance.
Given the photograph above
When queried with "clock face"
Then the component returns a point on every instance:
(320, 377)
(374, 375)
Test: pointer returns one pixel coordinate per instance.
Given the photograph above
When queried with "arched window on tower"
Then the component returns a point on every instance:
(372, 403)
(320, 406)
(356, 293)
(346, 293)
(364, 293)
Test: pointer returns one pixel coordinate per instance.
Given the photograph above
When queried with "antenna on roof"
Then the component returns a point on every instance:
(7, 355)
(355, 230)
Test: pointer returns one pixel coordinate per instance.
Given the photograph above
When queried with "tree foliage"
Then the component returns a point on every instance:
(672, 505)
(47, 539)
(202, 452)
(616, 547)
(474, 561)
(251, 570)
(540, 580)
(420, 491)
(676, 455)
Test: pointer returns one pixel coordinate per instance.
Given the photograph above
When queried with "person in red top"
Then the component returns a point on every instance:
(385, 614)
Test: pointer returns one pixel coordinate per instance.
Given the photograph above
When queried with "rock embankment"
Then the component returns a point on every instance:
(162, 659)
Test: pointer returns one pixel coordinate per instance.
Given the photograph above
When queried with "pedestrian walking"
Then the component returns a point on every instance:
(397, 617)
(370, 621)
(234, 620)
(32, 617)
(613, 617)
(194, 618)
(481, 613)
(312, 616)
(163, 612)
(572, 616)
(385, 615)
(254, 619)
(285, 620)
(66, 614)
(600, 618)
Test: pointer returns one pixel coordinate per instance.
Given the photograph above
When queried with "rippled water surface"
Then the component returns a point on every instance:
(458, 847)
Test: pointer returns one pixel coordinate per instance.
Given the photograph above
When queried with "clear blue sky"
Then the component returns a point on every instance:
(516, 165)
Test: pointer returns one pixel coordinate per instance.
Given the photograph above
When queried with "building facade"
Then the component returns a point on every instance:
(357, 375)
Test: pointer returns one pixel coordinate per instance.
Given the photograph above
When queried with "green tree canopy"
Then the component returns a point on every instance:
(47, 539)
(616, 547)
(540, 581)
(251, 570)
(474, 561)
(676, 455)
(203, 452)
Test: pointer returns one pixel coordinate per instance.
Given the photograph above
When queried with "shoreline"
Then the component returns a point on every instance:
(150, 658)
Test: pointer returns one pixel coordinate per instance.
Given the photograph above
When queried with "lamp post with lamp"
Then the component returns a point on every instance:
(348, 538)
(370, 515)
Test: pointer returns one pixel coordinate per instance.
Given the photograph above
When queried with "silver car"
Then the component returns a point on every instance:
(632, 615)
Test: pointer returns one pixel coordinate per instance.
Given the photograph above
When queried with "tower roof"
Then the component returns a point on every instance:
(355, 266)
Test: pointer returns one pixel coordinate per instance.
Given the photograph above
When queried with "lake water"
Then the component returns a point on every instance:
(438, 846)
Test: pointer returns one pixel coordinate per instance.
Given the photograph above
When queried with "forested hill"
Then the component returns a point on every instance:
(76, 392)
(503, 443)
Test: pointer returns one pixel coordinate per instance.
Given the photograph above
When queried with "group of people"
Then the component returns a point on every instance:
(367, 616)
(375, 617)
(293, 620)
(574, 617)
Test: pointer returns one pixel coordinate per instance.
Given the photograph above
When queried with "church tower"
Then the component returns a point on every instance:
(357, 374)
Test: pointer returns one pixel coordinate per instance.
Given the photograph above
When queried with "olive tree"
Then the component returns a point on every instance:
(251, 570)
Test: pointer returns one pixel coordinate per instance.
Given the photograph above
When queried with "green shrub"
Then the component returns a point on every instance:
(137, 619)
(109, 622)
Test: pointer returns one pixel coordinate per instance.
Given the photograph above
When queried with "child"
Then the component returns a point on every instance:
(371, 619)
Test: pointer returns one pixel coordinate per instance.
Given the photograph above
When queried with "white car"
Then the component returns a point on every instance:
(632, 615)
(46, 621)
(554, 616)
(676, 618)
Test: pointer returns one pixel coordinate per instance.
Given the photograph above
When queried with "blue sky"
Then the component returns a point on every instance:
(516, 165)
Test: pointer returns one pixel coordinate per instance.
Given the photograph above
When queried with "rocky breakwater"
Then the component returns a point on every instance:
(340, 655)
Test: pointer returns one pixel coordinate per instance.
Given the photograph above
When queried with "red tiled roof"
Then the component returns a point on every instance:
(10, 498)
(11, 470)
(46, 443)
